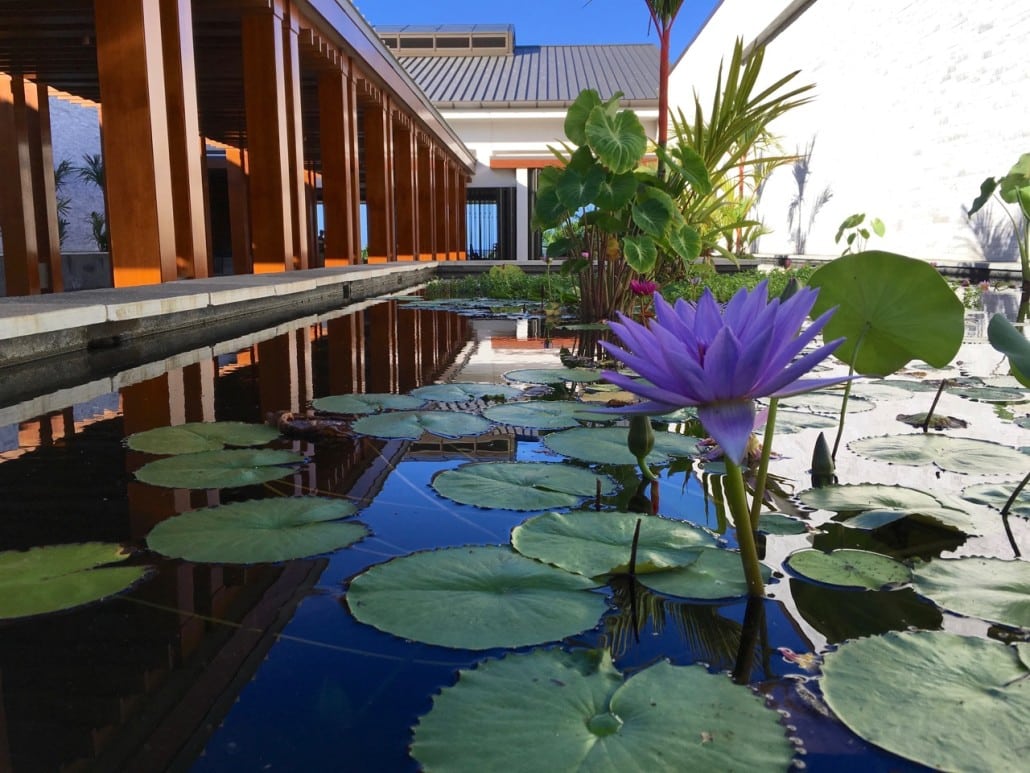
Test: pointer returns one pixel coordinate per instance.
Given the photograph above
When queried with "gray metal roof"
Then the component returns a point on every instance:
(538, 76)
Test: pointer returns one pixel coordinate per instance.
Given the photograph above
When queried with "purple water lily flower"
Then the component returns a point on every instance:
(721, 359)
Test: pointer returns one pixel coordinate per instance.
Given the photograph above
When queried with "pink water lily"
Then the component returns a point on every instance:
(721, 359)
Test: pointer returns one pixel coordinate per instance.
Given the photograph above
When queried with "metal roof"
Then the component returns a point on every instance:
(538, 76)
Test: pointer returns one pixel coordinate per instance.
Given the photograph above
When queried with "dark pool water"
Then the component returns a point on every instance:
(228, 668)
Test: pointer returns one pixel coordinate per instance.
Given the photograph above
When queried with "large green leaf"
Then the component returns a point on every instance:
(616, 191)
(368, 403)
(258, 530)
(654, 213)
(716, 574)
(618, 140)
(520, 485)
(997, 494)
(607, 445)
(219, 469)
(579, 111)
(1006, 339)
(550, 710)
(640, 253)
(892, 308)
(866, 496)
(950, 702)
(989, 588)
(685, 242)
(460, 392)
(411, 425)
(539, 414)
(595, 543)
(200, 436)
(949, 453)
(849, 568)
(474, 598)
(54, 577)
(577, 189)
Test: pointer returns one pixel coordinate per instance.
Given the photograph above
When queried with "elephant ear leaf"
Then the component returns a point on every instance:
(1006, 339)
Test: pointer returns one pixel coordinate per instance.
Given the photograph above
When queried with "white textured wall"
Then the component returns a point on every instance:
(75, 132)
(917, 102)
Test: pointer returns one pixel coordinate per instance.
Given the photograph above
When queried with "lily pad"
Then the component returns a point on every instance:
(607, 445)
(474, 598)
(520, 485)
(598, 543)
(937, 421)
(964, 700)
(866, 496)
(945, 517)
(550, 710)
(219, 469)
(954, 454)
(986, 394)
(55, 577)
(538, 414)
(891, 309)
(988, 588)
(789, 422)
(412, 425)
(554, 375)
(257, 531)
(997, 494)
(200, 436)
(827, 403)
(460, 392)
(782, 525)
(849, 568)
(368, 403)
(716, 574)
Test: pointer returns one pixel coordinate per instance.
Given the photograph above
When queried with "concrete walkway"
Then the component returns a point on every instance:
(41, 326)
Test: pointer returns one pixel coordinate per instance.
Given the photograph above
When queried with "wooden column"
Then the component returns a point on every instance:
(405, 188)
(379, 187)
(341, 191)
(239, 210)
(441, 205)
(137, 166)
(44, 188)
(299, 223)
(426, 193)
(461, 205)
(264, 89)
(185, 145)
(17, 200)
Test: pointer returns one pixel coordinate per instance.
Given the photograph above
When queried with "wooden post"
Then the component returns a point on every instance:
(379, 187)
(406, 190)
(239, 210)
(340, 184)
(44, 188)
(426, 194)
(17, 202)
(298, 215)
(441, 204)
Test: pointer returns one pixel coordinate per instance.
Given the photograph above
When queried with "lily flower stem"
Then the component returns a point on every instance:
(1015, 493)
(847, 392)
(737, 505)
(933, 405)
(763, 463)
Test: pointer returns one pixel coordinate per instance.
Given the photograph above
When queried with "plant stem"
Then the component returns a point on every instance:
(933, 405)
(1012, 499)
(737, 505)
(763, 464)
(847, 391)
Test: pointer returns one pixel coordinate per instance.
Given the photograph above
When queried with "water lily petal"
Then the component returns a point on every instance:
(648, 391)
(730, 425)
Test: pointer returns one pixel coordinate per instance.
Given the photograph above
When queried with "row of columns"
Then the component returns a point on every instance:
(156, 164)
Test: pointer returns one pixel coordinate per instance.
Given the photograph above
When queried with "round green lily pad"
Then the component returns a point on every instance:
(554, 375)
(595, 543)
(960, 702)
(944, 517)
(954, 454)
(827, 403)
(997, 494)
(460, 392)
(538, 414)
(474, 598)
(991, 589)
(228, 468)
(716, 574)
(789, 422)
(608, 445)
(849, 568)
(258, 531)
(550, 710)
(782, 525)
(412, 425)
(367, 403)
(200, 436)
(520, 485)
(866, 496)
(986, 394)
(55, 577)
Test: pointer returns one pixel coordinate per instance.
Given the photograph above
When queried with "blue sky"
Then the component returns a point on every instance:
(547, 22)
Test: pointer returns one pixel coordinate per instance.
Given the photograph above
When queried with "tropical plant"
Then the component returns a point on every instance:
(62, 172)
(802, 170)
(857, 232)
(92, 171)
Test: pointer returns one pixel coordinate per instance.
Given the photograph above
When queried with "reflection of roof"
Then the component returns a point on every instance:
(539, 76)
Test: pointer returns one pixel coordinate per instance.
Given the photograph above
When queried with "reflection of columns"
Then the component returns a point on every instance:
(341, 191)
(408, 350)
(521, 214)
(382, 345)
(347, 354)
(379, 187)
(278, 375)
(428, 342)
(264, 89)
(137, 168)
(442, 203)
(406, 187)
(424, 198)
(239, 210)
(17, 197)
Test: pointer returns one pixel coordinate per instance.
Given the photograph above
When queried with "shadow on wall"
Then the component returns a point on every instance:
(992, 236)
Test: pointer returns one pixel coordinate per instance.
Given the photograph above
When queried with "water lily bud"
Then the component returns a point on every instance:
(823, 471)
(641, 441)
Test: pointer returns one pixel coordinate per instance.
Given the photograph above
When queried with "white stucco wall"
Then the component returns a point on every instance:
(917, 101)
(75, 132)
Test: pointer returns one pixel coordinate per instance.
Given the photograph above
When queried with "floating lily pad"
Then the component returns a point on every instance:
(997, 494)
(554, 375)
(520, 485)
(598, 543)
(789, 422)
(964, 700)
(1023, 421)
(460, 392)
(937, 421)
(826, 403)
(607, 445)
(716, 574)
(550, 710)
(989, 588)
(949, 453)
(849, 568)
(219, 469)
(258, 530)
(474, 598)
(944, 517)
(991, 394)
(538, 414)
(368, 403)
(55, 577)
(412, 425)
(200, 436)
(866, 496)
(782, 525)
(880, 390)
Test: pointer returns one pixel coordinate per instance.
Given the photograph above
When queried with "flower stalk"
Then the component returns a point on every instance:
(737, 505)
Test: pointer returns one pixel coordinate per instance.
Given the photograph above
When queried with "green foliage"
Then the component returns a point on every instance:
(507, 281)
(857, 231)
(1013, 188)
(724, 285)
